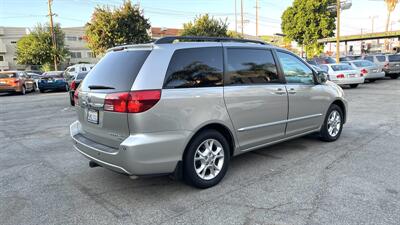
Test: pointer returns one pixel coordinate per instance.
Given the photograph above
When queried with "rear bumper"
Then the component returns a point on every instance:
(345, 81)
(139, 154)
(375, 75)
(392, 71)
(6, 88)
(60, 86)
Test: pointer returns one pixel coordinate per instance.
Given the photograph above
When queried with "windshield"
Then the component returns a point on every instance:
(363, 63)
(116, 70)
(341, 67)
(8, 75)
(394, 58)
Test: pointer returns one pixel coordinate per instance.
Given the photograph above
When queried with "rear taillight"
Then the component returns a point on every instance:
(386, 65)
(340, 76)
(363, 72)
(72, 86)
(132, 102)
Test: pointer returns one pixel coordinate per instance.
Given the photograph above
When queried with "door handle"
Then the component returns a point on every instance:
(280, 91)
(292, 91)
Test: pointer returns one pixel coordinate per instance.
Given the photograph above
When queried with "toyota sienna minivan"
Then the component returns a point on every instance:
(187, 105)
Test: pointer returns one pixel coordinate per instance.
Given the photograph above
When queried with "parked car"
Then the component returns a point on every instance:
(321, 60)
(34, 71)
(392, 67)
(72, 71)
(16, 81)
(74, 84)
(36, 77)
(380, 60)
(53, 81)
(188, 107)
(369, 70)
(343, 74)
(349, 58)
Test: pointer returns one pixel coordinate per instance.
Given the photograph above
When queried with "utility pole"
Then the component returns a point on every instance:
(257, 18)
(236, 30)
(53, 35)
(373, 22)
(338, 7)
(241, 15)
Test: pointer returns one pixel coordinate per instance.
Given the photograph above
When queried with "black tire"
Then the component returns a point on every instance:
(372, 80)
(23, 90)
(189, 171)
(71, 99)
(41, 90)
(324, 132)
(353, 85)
(33, 88)
(394, 76)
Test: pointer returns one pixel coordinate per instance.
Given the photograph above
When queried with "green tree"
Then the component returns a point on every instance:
(112, 27)
(306, 21)
(206, 26)
(36, 48)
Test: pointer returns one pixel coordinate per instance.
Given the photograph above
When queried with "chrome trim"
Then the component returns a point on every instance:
(278, 122)
(102, 162)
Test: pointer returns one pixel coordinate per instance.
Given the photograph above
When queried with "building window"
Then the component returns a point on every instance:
(15, 59)
(76, 55)
(1, 58)
(90, 55)
(13, 42)
(71, 38)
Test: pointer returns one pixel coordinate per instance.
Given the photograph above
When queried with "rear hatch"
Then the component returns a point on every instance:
(114, 74)
(394, 62)
(8, 79)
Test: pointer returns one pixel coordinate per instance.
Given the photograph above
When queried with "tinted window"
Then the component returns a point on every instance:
(71, 70)
(251, 66)
(81, 76)
(295, 70)
(381, 58)
(117, 70)
(325, 60)
(83, 68)
(394, 58)
(341, 67)
(369, 58)
(195, 67)
(324, 68)
(8, 75)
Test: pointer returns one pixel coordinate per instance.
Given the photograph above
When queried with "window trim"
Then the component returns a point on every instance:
(226, 79)
(301, 60)
(178, 49)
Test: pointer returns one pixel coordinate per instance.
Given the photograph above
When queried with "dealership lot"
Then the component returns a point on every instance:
(355, 180)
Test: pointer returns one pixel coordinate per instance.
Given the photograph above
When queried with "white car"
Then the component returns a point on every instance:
(72, 71)
(369, 70)
(343, 74)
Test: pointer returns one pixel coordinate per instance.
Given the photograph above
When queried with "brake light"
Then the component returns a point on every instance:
(340, 76)
(132, 102)
(16, 81)
(72, 86)
(363, 72)
(386, 65)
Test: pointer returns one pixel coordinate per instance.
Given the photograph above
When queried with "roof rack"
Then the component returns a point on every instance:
(171, 39)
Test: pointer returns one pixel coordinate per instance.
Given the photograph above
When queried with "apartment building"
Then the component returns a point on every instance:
(8, 43)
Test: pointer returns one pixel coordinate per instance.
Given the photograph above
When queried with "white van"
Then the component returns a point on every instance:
(72, 71)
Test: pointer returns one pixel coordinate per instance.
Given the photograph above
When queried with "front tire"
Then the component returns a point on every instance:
(23, 90)
(353, 85)
(206, 159)
(394, 76)
(333, 124)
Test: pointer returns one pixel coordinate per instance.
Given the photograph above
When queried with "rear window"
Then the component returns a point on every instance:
(381, 58)
(341, 67)
(8, 75)
(117, 70)
(394, 58)
(53, 74)
(195, 67)
(369, 58)
(81, 76)
(363, 64)
(325, 60)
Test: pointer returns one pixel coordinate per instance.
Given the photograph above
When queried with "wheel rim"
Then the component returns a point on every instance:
(334, 123)
(209, 159)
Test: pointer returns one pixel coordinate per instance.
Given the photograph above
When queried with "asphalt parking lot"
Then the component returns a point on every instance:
(355, 180)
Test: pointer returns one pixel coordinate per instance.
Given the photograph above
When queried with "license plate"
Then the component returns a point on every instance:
(375, 71)
(352, 75)
(49, 81)
(93, 116)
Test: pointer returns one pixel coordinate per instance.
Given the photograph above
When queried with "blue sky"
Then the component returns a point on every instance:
(173, 13)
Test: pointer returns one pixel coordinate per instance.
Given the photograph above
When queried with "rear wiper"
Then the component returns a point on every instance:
(99, 87)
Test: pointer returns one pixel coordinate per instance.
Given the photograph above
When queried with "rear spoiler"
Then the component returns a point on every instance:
(148, 46)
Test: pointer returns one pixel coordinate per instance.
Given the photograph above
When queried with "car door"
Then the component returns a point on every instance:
(255, 96)
(307, 100)
(27, 81)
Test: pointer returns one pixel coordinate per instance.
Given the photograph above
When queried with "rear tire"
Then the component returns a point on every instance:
(23, 90)
(71, 99)
(41, 90)
(333, 124)
(372, 80)
(353, 85)
(394, 76)
(206, 159)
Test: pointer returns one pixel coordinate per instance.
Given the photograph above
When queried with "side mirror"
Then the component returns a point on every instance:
(322, 77)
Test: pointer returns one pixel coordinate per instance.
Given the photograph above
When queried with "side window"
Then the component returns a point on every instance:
(72, 69)
(324, 68)
(195, 67)
(369, 58)
(381, 58)
(84, 69)
(295, 70)
(251, 66)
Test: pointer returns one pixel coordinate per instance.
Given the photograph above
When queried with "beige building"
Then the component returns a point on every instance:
(74, 41)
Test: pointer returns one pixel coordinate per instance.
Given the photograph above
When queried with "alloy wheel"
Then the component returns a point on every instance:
(209, 159)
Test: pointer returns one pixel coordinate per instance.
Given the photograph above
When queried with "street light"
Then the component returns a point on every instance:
(340, 5)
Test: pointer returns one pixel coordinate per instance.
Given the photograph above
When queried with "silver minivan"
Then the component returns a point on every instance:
(187, 105)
